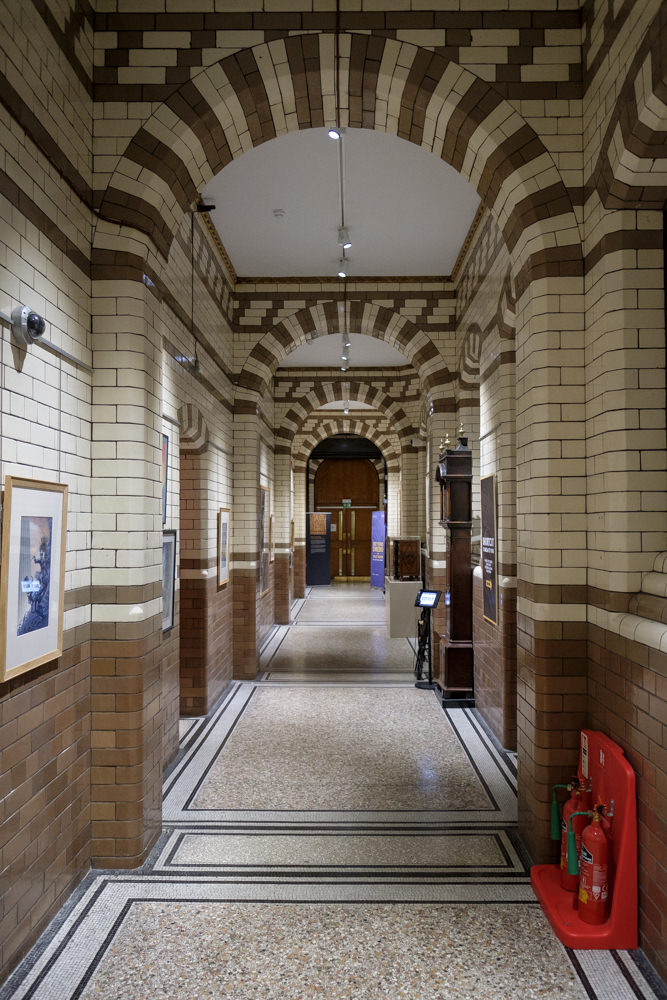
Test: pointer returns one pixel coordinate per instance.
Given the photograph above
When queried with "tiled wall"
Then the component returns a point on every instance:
(550, 114)
(45, 434)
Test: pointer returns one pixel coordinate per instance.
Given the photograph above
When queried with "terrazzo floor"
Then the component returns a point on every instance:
(328, 832)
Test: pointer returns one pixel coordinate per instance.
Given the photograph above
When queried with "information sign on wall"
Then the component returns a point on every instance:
(489, 571)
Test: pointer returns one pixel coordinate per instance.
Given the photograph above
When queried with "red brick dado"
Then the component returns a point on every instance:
(282, 576)
(299, 570)
(205, 643)
(45, 793)
(627, 688)
(244, 629)
(126, 741)
(495, 664)
(169, 657)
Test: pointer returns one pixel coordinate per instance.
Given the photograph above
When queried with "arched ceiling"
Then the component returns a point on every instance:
(407, 211)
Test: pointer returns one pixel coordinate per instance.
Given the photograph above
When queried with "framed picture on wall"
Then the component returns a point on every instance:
(165, 475)
(263, 536)
(32, 578)
(223, 545)
(168, 578)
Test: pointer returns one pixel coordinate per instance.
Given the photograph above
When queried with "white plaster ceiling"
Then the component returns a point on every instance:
(278, 211)
(365, 352)
(407, 211)
(340, 404)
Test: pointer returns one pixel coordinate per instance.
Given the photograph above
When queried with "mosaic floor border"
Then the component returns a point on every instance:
(62, 963)
(184, 780)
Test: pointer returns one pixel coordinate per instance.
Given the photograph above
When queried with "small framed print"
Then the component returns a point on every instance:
(223, 545)
(32, 579)
(165, 475)
(168, 578)
(263, 537)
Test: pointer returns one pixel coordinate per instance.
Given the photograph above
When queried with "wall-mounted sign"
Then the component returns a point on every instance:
(346, 503)
(489, 571)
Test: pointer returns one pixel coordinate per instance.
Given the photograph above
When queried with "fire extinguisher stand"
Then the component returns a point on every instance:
(603, 763)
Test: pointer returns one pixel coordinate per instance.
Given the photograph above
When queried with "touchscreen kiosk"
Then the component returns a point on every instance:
(428, 598)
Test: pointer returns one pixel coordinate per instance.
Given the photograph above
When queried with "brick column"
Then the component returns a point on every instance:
(126, 723)
(282, 526)
(245, 554)
(551, 550)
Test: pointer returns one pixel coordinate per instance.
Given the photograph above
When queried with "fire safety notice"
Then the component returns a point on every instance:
(489, 572)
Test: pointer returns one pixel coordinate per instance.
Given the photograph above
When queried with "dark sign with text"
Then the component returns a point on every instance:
(318, 549)
(489, 574)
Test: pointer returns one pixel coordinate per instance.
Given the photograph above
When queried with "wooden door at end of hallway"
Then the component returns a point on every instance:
(351, 544)
(354, 480)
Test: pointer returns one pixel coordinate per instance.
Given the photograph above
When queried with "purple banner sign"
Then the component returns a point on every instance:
(377, 549)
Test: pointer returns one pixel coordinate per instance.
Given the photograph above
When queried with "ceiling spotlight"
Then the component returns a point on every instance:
(342, 273)
(343, 238)
(334, 133)
(347, 343)
(343, 357)
(346, 410)
(343, 368)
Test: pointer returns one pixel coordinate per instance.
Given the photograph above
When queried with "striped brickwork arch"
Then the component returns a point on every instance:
(469, 365)
(328, 392)
(632, 165)
(283, 85)
(306, 440)
(193, 430)
(321, 320)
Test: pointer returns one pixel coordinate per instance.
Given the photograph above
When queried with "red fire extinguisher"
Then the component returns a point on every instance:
(574, 805)
(594, 871)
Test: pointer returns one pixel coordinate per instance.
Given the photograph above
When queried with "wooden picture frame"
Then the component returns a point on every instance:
(224, 535)
(263, 537)
(165, 475)
(168, 578)
(34, 534)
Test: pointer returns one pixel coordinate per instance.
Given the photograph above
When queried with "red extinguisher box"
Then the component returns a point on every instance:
(602, 763)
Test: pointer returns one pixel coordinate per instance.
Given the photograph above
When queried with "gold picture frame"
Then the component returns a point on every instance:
(32, 575)
(224, 535)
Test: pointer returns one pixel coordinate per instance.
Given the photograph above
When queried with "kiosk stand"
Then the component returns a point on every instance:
(426, 600)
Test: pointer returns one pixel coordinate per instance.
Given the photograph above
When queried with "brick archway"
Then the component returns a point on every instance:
(357, 391)
(322, 320)
(254, 95)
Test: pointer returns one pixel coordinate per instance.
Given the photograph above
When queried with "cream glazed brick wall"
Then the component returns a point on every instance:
(624, 344)
(625, 399)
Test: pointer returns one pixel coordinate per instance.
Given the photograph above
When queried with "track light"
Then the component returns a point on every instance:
(343, 238)
(346, 410)
(347, 343)
(334, 133)
(343, 368)
(342, 273)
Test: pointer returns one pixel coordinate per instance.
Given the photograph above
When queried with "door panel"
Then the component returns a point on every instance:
(355, 480)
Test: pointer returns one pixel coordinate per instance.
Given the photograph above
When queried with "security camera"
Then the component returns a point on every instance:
(27, 325)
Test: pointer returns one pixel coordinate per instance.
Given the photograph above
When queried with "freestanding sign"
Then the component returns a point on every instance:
(318, 549)
(489, 571)
(377, 548)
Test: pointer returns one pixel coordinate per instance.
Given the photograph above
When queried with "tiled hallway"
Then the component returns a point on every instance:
(328, 832)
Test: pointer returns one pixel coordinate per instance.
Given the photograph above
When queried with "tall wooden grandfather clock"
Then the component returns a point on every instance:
(454, 473)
